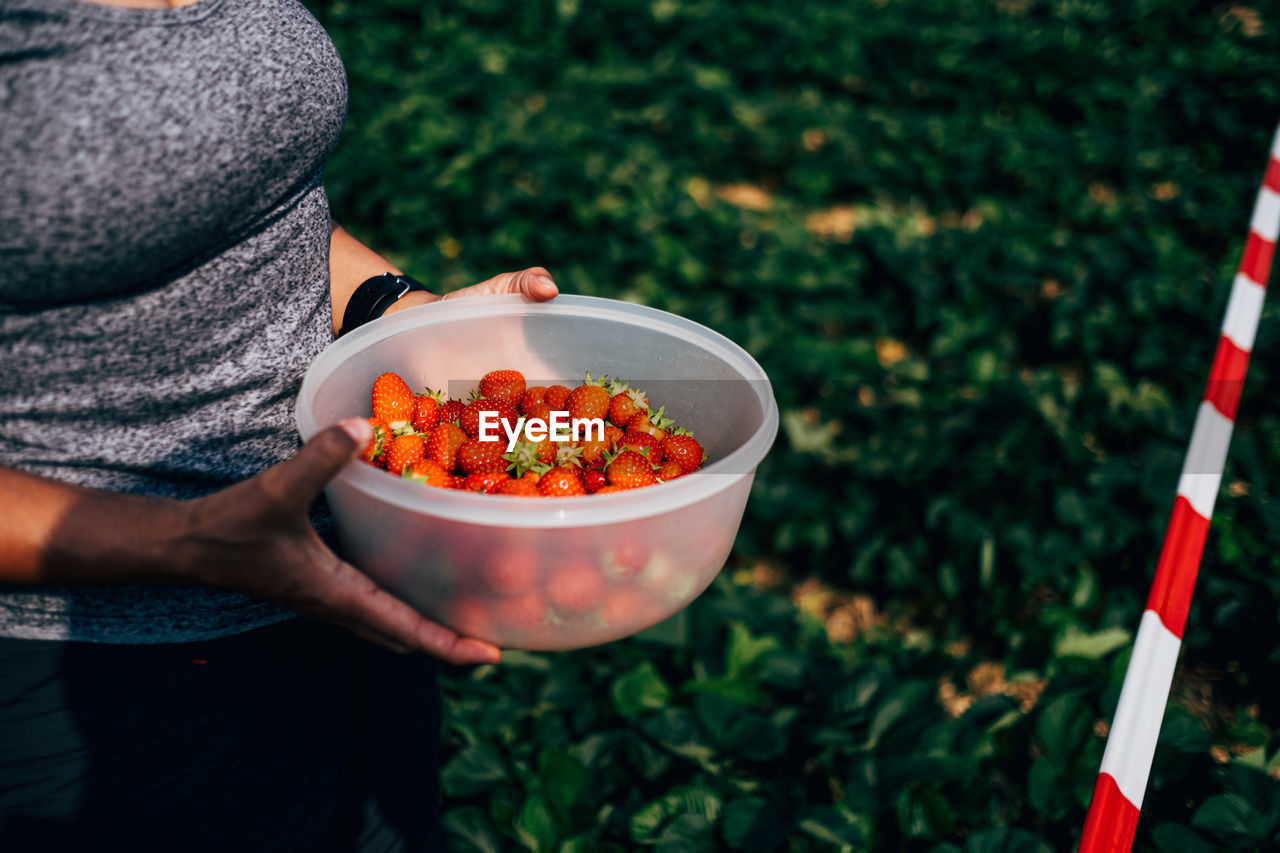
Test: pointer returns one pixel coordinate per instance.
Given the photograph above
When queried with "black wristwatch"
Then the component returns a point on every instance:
(374, 296)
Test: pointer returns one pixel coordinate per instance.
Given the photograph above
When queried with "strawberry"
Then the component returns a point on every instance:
(511, 570)
(555, 396)
(521, 488)
(612, 488)
(628, 468)
(405, 450)
(426, 411)
(669, 470)
(624, 606)
(469, 420)
(532, 397)
(528, 456)
(684, 450)
(560, 483)
(450, 411)
(625, 404)
(428, 473)
(485, 481)
(644, 444)
(576, 586)
(593, 481)
(522, 612)
(392, 401)
(593, 452)
(655, 424)
(567, 454)
(479, 457)
(587, 401)
(504, 385)
(375, 451)
(469, 616)
(612, 434)
(627, 556)
(443, 443)
(541, 411)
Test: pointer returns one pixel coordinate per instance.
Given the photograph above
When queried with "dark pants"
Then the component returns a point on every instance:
(297, 736)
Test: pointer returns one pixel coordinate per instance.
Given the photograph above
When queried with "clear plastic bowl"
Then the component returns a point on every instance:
(547, 573)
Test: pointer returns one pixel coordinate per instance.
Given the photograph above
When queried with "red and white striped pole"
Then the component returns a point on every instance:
(1126, 764)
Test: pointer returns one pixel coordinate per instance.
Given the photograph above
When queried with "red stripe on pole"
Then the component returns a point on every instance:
(1226, 377)
(1256, 262)
(1178, 565)
(1272, 179)
(1111, 822)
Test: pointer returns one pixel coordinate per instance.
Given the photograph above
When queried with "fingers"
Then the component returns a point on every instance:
(292, 484)
(534, 283)
(364, 607)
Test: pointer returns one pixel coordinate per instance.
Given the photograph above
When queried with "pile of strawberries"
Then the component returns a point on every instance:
(436, 441)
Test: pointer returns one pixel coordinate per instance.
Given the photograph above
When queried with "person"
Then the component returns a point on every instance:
(185, 662)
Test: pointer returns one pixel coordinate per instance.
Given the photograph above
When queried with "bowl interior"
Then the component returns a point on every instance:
(704, 385)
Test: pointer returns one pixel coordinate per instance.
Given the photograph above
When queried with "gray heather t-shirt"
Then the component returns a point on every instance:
(164, 279)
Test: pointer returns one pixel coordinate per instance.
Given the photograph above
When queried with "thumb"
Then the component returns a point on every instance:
(294, 482)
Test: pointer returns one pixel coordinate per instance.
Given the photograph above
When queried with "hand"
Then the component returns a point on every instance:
(533, 283)
(255, 537)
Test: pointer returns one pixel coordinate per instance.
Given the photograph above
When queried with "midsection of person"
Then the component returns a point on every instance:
(164, 276)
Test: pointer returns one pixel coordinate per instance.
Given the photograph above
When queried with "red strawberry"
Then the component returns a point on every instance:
(375, 451)
(485, 481)
(669, 470)
(587, 401)
(405, 450)
(392, 401)
(560, 483)
(630, 469)
(532, 397)
(426, 411)
(655, 424)
(428, 473)
(541, 411)
(625, 606)
(504, 385)
(684, 450)
(612, 435)
(644, 444)
(469, 420)
(593, 481)
(511, 570)
(613, 488)
(593, 452)
(625, 404)
(521, 488)
(555, 396)
(470, 617)
(443, 443)
(450, 411)
(575, 587)
(479, 457)
(627, 556)
(522, 612)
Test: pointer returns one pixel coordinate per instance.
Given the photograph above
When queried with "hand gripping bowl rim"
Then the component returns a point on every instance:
(504, 511)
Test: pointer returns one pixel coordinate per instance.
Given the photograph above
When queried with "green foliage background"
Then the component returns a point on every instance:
(982, 250)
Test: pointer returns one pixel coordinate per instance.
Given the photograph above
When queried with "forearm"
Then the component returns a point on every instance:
(58, 533)
(352, 262)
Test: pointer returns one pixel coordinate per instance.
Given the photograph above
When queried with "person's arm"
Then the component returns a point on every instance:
(352, 262)
(253, 537)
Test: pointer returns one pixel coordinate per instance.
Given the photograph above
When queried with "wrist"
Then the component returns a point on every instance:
(375, 296)
(410, 300)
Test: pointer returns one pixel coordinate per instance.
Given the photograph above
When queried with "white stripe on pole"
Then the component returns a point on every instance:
(1206, 457)
(1275, 145)
(1266, 215)
(1243, 309)
(1136, 726)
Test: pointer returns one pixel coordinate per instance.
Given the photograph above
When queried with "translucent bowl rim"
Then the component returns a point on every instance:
(504, 511)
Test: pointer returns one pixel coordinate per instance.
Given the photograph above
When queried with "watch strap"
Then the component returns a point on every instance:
(373, 297)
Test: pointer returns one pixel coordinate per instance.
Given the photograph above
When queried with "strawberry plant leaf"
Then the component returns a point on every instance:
(1229, 816)
(753, 825)
(651, 819)
(478, 767)
(835, 826)
(639, 689)
(744, 649)
(1176, 838)
(1091, 646)
(471, 831)
(535, 825)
